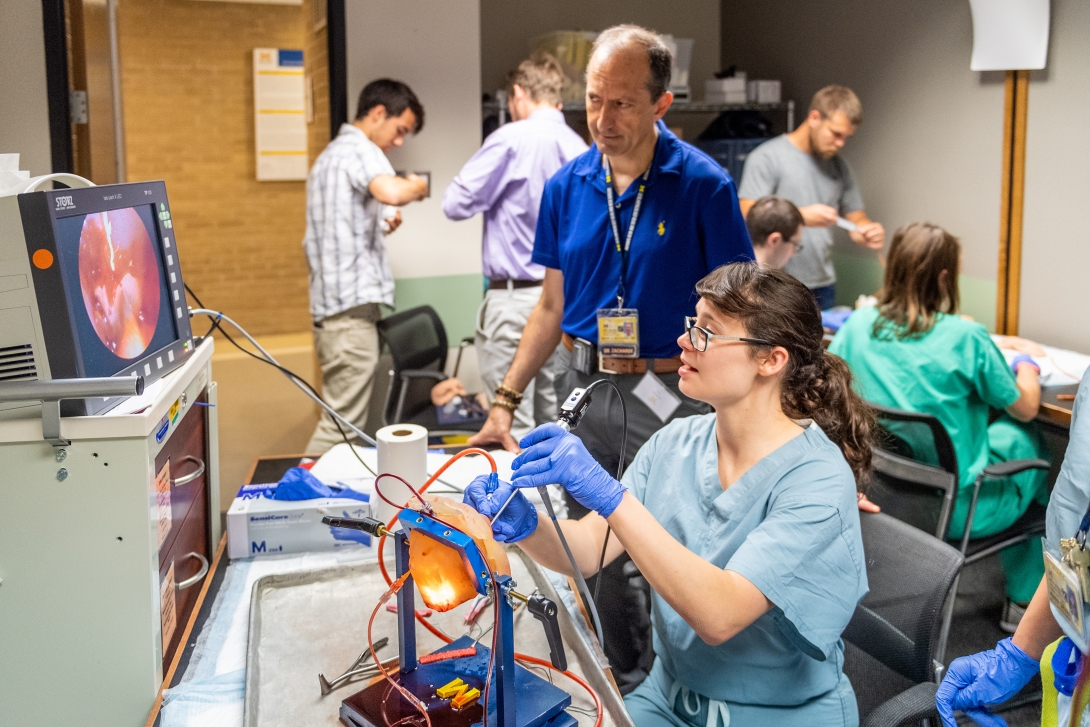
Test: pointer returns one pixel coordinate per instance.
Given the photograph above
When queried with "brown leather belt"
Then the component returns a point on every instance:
(610, 365)
(513, 284)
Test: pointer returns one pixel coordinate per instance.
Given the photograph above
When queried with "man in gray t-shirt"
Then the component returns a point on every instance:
(804, 167)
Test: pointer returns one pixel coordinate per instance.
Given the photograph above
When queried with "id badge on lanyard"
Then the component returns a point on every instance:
(619, 332)
(619, 328)
(1068, 580)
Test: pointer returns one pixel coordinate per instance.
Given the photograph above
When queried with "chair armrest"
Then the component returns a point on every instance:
(907, 708)
(1006, 469)
(467, 341)
(999, 469)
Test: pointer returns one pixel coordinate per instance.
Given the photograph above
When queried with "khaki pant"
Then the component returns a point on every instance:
(348, 347)
(500, 320)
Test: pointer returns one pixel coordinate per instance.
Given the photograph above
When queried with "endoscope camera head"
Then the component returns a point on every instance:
(573, 408)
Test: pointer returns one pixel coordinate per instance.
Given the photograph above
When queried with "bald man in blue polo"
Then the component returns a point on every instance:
(624, 232)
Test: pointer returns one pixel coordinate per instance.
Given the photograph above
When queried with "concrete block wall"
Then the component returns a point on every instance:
(187, 88)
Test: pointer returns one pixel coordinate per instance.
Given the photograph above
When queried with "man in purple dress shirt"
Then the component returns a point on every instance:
(504, 180)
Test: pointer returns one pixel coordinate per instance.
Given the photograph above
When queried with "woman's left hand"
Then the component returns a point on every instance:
(552, 456)
(866, 505)
(487, 494)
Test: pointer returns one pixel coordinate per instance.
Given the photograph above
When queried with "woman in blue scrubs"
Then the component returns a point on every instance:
(744, 521)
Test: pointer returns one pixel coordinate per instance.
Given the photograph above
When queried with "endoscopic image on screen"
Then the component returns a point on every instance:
(118, 274)
(117, 290)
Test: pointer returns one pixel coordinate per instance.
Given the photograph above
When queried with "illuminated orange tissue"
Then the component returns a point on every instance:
(438, 569)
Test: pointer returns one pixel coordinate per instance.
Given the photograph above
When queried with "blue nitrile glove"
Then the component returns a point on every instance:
(1023, 358)
(299, 484)
(552, 456)
(487, 493)
(988, 677)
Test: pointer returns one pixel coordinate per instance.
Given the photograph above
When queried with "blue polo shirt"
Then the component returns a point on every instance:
(689, 224)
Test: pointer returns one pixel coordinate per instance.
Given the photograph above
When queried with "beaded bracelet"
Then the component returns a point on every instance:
(505, 404)
(508, 393)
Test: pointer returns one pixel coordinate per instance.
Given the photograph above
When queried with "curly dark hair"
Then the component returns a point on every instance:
(817, 385)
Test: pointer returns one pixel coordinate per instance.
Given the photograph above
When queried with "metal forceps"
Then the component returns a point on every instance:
(359, 668)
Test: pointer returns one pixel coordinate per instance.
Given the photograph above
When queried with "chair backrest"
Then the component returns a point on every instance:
(918, 494)
(891, 442)
(417, 341)
(892, 638)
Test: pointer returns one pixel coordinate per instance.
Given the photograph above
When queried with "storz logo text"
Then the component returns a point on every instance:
(65, 203)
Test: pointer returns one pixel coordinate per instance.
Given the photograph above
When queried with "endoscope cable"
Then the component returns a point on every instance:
(299, 381)
(570, 415)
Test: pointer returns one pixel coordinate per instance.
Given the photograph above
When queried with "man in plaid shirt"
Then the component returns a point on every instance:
(352, 196)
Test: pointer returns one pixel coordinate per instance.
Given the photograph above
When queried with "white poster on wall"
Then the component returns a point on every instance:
(280, 123)
(1009, 35)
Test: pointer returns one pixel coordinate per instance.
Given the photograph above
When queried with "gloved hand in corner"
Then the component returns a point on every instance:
(552, 456)
(988, 677)
(487, 493)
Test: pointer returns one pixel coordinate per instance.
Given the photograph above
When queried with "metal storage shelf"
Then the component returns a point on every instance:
(678, 107)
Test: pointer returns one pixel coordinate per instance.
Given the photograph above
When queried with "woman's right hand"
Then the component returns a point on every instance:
(552, 456)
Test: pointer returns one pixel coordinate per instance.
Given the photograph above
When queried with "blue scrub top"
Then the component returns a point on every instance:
(790, 525)
(689, 224)
(1071, 495)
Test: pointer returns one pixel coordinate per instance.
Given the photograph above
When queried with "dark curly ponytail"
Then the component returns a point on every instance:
(816, 384)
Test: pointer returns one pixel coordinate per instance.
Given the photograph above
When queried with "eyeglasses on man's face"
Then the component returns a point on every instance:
(699, 336)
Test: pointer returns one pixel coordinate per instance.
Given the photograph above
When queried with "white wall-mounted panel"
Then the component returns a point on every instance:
(1009, 35)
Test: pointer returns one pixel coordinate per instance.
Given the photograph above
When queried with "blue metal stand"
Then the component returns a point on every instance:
(406, 608)
(505, 656)
(522, 699)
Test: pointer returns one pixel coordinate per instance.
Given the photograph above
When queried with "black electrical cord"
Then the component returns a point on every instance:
(620, 472)
(287, 372)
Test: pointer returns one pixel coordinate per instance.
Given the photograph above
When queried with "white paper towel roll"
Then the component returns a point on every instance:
(402, 451)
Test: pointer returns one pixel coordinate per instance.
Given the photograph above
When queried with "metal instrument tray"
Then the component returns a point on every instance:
(310, 622)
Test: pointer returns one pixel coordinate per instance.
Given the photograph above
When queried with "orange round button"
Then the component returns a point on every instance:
(42, 259)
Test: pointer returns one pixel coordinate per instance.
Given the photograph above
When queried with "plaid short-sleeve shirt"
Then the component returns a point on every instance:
(345, 243)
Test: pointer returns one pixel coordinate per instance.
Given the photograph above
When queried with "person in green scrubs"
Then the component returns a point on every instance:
(913, 352)
(743, 521)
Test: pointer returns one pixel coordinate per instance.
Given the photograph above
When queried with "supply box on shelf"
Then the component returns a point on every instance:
(763, 91)
(726, 90)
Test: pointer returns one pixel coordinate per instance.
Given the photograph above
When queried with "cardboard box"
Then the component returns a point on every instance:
(720, 86)
(728, 97)
(258, 525)
(763, 91)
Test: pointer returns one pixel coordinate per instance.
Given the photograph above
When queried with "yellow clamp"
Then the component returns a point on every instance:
(453, 689)
(465, 699)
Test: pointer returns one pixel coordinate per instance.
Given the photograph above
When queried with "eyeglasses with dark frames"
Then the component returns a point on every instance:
(700, 336)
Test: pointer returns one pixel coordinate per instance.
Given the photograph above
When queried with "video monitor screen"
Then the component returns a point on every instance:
(112, 266)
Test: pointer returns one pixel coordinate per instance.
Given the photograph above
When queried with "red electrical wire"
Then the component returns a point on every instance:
(412, 698)
(495, 618)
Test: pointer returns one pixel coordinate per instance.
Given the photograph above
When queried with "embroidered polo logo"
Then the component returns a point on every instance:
(662, 228)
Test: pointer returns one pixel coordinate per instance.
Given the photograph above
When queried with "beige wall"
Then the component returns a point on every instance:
(1056, 245)
(261, 413)
(929, 147)
(187, 86)
(24, 112)
(433, 46)
(316, 60)
(508, 27)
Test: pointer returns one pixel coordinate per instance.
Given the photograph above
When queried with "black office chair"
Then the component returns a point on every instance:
(891, 641)
(417, 342)
(923, 494)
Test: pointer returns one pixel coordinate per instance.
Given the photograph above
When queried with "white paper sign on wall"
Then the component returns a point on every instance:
(280, 123)
(1009, 35)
